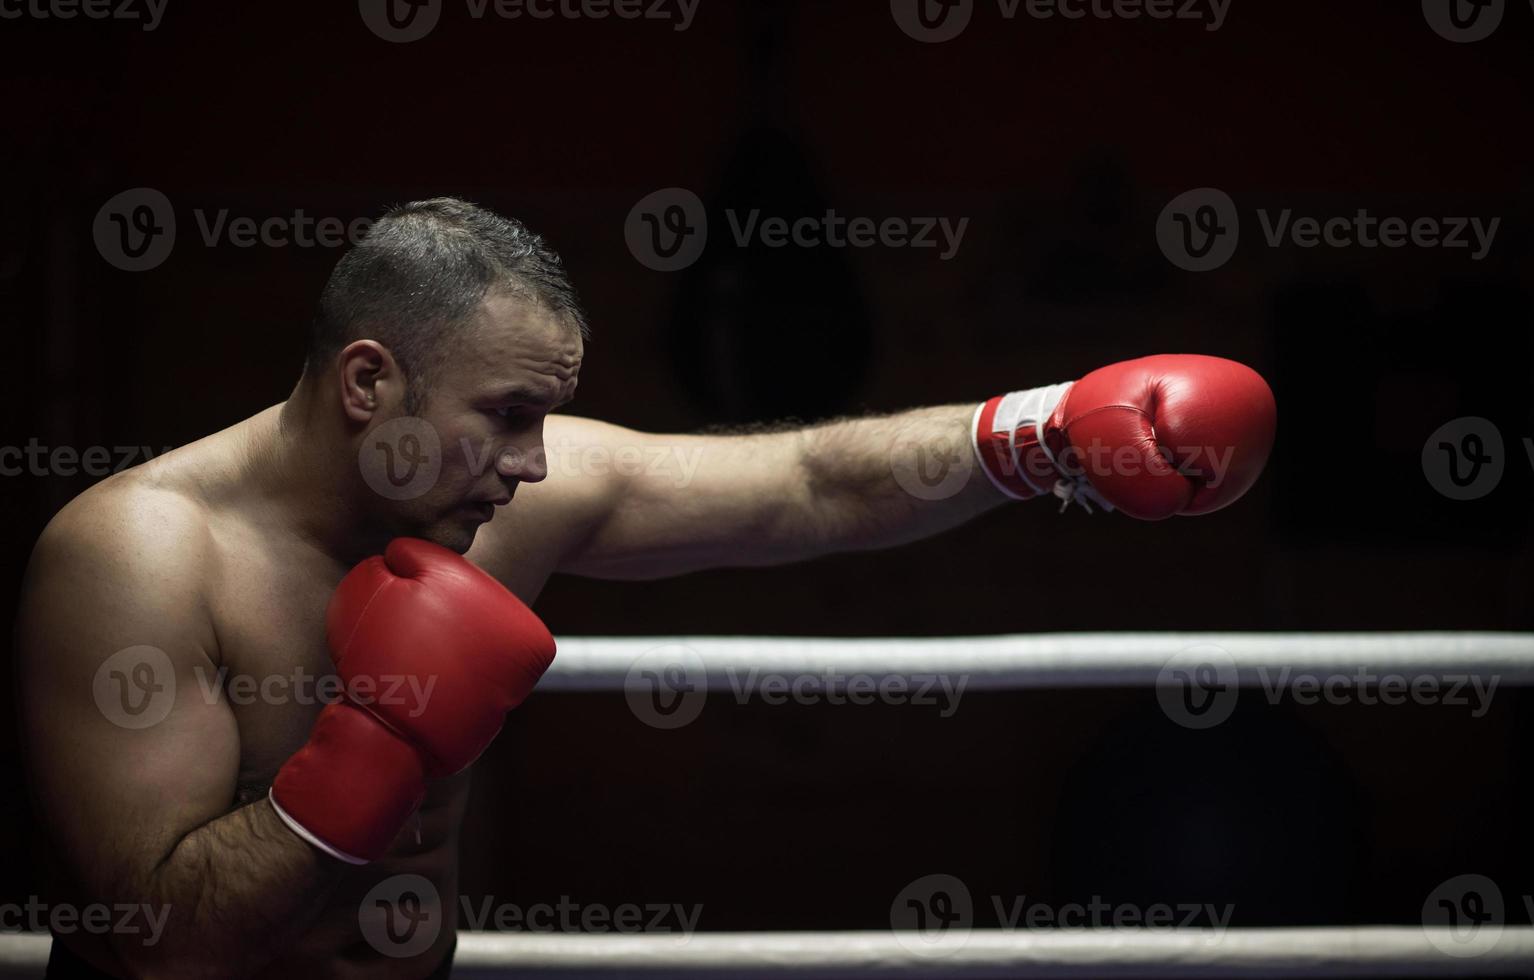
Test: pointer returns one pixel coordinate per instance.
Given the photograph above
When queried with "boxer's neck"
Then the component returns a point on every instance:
(304, 457)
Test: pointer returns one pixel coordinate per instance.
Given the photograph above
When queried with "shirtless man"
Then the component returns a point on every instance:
(443, 344)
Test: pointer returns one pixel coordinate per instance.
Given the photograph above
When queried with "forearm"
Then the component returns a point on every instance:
(230, 897)
(880, 482)
(774, 494)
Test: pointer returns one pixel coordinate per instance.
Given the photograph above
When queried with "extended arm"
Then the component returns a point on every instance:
(1152, 438)
(670, 504)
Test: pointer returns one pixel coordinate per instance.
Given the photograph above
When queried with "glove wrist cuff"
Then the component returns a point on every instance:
(311, 839)
(1011, 440)
(351, 787)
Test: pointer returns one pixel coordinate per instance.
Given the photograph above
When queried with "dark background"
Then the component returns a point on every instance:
(1061, 142)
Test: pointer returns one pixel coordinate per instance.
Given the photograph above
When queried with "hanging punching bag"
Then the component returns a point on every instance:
(765, 331)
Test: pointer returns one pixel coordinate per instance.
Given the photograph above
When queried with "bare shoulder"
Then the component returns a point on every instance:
(129, 518)
(157, 517)
(133, 548)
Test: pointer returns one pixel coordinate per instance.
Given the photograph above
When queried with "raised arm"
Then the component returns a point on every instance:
(133, 762)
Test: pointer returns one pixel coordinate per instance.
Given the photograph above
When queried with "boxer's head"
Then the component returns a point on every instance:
(444, 338)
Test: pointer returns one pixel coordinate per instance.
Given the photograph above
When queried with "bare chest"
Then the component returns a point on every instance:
(274, 669)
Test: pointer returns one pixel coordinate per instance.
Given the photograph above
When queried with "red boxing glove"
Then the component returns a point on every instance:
(1155, 436)
(428, 615)
(351, 787)
(433, 653)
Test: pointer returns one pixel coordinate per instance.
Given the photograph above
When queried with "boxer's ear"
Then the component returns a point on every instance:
(371, 380)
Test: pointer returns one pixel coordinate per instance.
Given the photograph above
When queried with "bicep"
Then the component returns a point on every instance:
(651, 505)
(130, 744)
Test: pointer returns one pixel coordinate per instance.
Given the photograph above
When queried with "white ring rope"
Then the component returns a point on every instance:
(1006, 662)
(1078, 953)
(1367, 951)
(1051, 660)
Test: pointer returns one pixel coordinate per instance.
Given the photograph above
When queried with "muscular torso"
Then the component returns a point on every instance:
(268, 608)
(267, 592)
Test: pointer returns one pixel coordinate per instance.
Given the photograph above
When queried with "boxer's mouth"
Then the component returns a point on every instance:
(480, 509)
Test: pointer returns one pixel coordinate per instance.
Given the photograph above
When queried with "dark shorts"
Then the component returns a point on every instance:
(63, 964)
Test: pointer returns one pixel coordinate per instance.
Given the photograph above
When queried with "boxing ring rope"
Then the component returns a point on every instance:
(1051, 660)
(999, 663)
(1396, 951)
(1366, 951)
